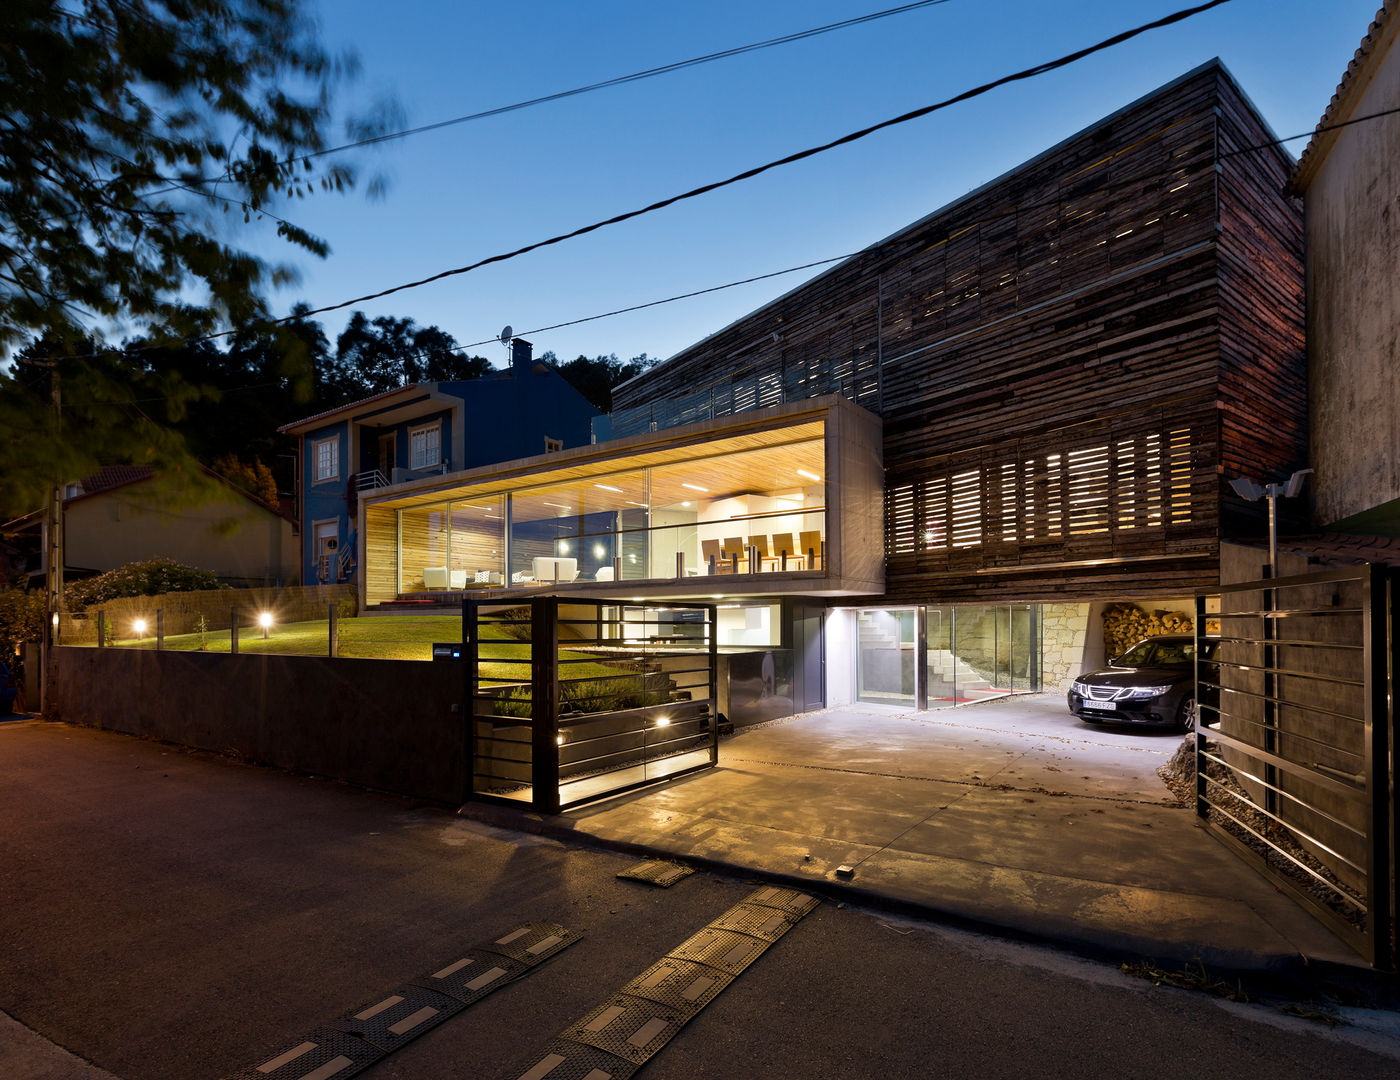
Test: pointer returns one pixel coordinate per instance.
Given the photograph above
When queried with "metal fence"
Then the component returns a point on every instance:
(575, 700)
(1294, 742)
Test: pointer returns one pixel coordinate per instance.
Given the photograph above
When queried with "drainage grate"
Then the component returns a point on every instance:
(628, 1027)
(397, 1018)
(793, 902)
(322, 1055)
(657, 872)
(681, 984)
(563, 1060)
(532, 942)
(473, 975)
(721, 949)
(765, 923)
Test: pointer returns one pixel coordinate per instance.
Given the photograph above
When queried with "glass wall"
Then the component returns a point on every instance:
(977, 652)
(886, 647)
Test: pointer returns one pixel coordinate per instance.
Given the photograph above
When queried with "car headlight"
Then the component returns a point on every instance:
(1138, 693)
(1079, 688)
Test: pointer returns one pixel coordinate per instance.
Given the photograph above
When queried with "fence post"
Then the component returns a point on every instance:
(333, 620)
(160, 629)
(544, 720)
(1199, 739)
(233, 631)
(1376, 628)
(101, 629)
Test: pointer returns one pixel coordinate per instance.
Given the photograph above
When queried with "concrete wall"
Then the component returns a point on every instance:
(384, 724)
(1353, 253)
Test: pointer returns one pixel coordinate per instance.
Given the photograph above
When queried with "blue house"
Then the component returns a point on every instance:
(425, 429)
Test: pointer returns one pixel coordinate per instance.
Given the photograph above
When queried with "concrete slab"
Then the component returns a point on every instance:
(1011, 815)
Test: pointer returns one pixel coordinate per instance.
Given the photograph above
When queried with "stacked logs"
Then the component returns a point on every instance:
(1124, 625)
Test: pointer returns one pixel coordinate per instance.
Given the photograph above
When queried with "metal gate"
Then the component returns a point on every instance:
(1295, 742)
(574, 700)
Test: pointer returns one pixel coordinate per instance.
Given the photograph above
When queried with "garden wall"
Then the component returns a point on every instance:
(386, 724)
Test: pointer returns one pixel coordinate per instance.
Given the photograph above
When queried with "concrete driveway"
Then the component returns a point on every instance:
(1013, 815)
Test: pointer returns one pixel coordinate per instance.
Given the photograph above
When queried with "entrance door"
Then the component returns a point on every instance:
(386, 456)
(886, 648)
(327, 542)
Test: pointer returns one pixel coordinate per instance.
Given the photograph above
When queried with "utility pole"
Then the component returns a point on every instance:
(53, 549)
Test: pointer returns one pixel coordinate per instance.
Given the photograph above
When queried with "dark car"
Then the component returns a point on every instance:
(1154, 683)
(8, 690)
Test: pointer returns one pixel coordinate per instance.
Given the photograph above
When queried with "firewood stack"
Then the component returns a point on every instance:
(1124, 625)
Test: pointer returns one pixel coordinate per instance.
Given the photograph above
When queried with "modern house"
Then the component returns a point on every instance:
(423, 430)
(909, 479)
(118, 516)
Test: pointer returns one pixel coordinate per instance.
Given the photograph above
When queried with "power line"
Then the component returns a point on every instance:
(620, 80)
(748, 174)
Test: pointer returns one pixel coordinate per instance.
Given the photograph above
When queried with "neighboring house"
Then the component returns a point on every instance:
(117, 516)
(912, 478)
(425, 429)
(1349, 178)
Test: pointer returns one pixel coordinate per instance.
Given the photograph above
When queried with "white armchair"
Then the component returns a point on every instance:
(555, 569)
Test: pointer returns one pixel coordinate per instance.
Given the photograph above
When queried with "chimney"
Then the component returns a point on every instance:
(522, 355)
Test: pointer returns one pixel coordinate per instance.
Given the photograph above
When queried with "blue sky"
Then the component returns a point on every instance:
(466, 192)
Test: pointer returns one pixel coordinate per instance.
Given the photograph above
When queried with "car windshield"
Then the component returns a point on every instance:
(1158, 654)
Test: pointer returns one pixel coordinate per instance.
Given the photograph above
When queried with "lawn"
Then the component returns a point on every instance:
(400, 637)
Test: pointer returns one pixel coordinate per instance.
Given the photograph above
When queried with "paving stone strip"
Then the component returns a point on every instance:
(353, 1042)
(620, 1035)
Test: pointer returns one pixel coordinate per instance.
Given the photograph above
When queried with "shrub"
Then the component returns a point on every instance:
(153, 577)
(21, 618)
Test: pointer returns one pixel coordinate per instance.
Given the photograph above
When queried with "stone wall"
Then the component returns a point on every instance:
(1064, 628)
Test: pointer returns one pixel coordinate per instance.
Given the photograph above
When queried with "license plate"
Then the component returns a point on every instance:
(1110, 705)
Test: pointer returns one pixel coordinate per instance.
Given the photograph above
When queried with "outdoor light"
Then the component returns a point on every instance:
(558, 740)
(140, 627)
(1251, 491)
(265, 621)
(663, 721)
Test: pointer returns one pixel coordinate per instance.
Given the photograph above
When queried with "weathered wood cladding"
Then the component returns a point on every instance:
(1111, 282)
(1263, 359)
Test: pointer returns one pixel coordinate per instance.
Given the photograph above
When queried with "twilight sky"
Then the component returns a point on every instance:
(461, 193)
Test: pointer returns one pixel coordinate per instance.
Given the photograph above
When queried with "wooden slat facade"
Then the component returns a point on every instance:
(1111, 329)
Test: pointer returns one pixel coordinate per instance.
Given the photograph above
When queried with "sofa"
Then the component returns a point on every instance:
(555, 569)
(440, 577)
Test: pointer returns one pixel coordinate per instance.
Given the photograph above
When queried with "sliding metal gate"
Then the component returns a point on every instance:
(1295, 742)
(576, 700)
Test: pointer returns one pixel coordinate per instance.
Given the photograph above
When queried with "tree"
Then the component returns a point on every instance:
(128, 130)
(384, 353)
(253, 477)
(594, 377)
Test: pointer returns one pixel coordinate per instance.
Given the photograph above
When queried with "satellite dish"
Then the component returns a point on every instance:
(507, 334)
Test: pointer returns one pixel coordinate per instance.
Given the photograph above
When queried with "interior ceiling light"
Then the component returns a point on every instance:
(809, 476)
(696, 487)
(557, 506)
(631, 503)
(608, 487)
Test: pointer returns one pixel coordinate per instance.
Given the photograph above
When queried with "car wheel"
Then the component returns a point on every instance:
(1186, 715)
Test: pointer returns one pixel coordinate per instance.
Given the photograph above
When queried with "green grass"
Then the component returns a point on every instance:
(398, 637)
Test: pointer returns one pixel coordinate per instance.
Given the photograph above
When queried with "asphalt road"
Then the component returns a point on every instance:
(167, 915)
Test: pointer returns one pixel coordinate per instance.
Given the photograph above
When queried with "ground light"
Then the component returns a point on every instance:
(140, 627)
(265, 621)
